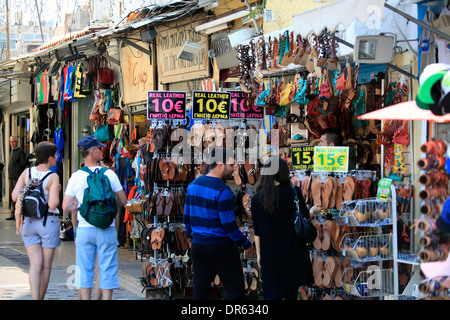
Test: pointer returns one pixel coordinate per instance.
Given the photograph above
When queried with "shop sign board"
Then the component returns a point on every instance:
(137, 73)
(171, 38)
(302, 157)
(166, 105)
(226, 55)
(384, 189)
(211, 105)
(330, 159)
(239, 108)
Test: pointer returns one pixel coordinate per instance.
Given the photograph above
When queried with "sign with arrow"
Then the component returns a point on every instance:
(330, 159)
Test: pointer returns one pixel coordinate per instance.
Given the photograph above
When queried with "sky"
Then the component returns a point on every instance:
(51, 11)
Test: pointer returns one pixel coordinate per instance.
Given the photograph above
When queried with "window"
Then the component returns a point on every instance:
(12, 41)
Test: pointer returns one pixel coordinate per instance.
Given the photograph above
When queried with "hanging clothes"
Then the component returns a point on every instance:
(427, 42)
(443, 45)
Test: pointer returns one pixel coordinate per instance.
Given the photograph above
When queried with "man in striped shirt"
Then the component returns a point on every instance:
(210, 223)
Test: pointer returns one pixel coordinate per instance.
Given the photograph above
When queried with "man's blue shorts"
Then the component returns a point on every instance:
(90, 241)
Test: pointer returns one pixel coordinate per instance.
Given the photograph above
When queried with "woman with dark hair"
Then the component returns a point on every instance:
(284, 260)
(40, 240)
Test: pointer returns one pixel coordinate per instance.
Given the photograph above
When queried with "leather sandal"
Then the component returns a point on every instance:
(157, 238)
(169, 204)
(339, 194)
(331, 228)
(250, 171)
(236, 175)
(326, 191)
(164, 168)
(318, 269)
(316, 191)
(160, 203)
(247, 203)
(326, 240)
(317, 243)
(348, 188)
(329, 271)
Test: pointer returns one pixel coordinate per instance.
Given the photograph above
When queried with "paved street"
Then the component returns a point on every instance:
(14, 269)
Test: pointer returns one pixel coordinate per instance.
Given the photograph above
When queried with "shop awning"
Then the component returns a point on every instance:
(404, 111)
(331, 15)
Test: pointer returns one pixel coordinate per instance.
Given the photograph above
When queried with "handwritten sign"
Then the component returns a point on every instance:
(166, 105)
(137, 74)
(211, 105)
(171, 38)
(330, 159)
(239, 108)
(302, 158)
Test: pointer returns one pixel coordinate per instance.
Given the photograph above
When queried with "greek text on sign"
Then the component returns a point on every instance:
(239, 108)
(210, 105)
(166, 105)
(302, 158)
(384, 189)
(330, 159)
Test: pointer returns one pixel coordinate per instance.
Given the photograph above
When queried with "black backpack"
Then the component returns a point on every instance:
(33, 201)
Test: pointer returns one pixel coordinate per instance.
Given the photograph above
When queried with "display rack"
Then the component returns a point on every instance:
(366, 278)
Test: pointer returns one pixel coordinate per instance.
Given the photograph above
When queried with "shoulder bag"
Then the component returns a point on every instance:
(303, 227)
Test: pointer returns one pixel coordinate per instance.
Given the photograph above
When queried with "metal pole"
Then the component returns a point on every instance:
(39, 18)
(7, 30)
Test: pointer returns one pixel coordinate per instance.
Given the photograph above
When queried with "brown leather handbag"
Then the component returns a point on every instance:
(342, 80)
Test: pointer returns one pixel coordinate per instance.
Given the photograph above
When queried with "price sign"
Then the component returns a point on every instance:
(239, 108)
(384, 189)
(330, 159)
(302, 158)
(211, 105)
(166, 105)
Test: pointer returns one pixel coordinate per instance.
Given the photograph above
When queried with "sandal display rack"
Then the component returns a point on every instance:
(368, 277)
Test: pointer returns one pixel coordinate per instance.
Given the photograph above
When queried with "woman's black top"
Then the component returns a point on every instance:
(285, 261)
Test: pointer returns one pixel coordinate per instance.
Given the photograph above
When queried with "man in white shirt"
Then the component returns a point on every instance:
(91, 240)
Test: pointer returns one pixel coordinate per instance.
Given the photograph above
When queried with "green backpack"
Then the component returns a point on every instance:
(99, 205)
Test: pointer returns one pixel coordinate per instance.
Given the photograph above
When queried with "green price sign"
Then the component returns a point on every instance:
(384, 189)
(330, 159)
(302, 158)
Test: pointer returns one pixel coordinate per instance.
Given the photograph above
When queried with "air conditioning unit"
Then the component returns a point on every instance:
(189, 51)
(374, 49)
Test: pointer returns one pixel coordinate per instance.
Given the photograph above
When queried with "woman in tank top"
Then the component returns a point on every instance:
(40, 240)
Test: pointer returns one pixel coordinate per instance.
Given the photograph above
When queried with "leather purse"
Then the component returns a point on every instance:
(342, 80)
(303, 227)
(105, 72)
(115, 116)
(325, 91)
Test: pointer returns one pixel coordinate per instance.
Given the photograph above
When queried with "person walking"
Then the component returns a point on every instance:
(210, 224)
(90, 240)
(16, 165)
(40, 240)
(283, 259)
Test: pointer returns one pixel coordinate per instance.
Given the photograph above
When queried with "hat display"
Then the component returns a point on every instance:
(445, 97)
(88, 142)
(429, 76)
(433, 93)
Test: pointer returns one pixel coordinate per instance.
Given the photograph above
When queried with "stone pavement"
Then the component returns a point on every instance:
(14, 269)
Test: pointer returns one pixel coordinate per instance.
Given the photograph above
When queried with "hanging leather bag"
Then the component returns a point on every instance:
(342, 80)
(105, 73)
(303, 227)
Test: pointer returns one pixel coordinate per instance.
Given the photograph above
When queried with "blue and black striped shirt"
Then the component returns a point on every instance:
(208, 213)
